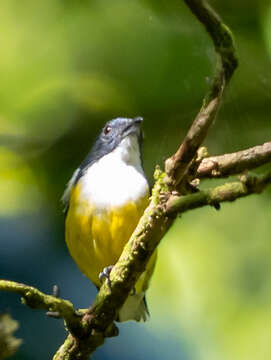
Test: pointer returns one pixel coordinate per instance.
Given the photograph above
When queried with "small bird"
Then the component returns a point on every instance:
(104, 201)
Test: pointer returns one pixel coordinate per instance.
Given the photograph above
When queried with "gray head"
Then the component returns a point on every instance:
(110, 137)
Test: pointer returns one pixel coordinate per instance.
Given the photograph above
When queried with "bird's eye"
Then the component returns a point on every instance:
(107, 130)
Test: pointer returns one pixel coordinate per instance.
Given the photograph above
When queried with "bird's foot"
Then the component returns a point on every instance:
(105, 274)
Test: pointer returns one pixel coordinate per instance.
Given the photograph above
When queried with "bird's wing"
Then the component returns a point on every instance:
(65, 199)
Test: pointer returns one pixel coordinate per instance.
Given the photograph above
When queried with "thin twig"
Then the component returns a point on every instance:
(247, 185)
(177, 165)
(36, 299)
(234, 163)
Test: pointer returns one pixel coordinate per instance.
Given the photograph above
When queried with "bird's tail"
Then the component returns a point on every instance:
(134, 308)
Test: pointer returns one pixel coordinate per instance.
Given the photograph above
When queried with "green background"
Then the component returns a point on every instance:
(66, 67)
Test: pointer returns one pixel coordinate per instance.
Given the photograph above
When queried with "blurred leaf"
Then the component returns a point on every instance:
(215, 269)
(19, 190)
(266, 21)
(8, 343)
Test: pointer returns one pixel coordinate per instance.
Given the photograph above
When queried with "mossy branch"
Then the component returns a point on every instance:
(36, 299)
(172, 194)
(247, 185)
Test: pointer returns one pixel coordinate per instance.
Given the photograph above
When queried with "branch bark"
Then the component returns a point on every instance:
(36, 299)
(247, 185)
(170, 196)
(234, 163)
(177, 165)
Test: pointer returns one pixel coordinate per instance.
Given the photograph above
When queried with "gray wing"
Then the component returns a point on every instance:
(66, 195)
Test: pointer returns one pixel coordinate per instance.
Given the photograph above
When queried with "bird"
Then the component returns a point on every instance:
(104, 200)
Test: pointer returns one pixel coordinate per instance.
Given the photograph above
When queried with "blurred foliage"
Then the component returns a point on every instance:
(8, 343)
(66, 67)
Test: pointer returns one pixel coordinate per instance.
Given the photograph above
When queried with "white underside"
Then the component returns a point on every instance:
(115, 179)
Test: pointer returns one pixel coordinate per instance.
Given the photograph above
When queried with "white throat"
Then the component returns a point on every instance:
(117, 178)
(128, 151)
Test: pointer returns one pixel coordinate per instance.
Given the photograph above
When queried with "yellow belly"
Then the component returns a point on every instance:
(96, 238)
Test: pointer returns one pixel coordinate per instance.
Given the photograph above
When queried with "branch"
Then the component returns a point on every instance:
(248, 184)
(36, 299)
(177, 165)
(234, 163)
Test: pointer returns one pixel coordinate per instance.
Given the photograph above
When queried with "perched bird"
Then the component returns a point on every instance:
(104, 201)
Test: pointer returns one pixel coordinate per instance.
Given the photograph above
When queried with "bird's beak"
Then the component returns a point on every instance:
(138, 120)
(133, 126)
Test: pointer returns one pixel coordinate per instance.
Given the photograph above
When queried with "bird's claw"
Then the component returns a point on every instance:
(105, 274)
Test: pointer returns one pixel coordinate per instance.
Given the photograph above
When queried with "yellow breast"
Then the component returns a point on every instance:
(95, 237)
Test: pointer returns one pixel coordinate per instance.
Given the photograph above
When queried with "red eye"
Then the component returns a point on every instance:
(107, 130)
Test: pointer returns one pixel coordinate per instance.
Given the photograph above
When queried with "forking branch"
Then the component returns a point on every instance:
(174, 192)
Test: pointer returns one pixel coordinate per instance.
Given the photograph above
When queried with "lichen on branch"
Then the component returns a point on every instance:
(36, 299)
(248, 184)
